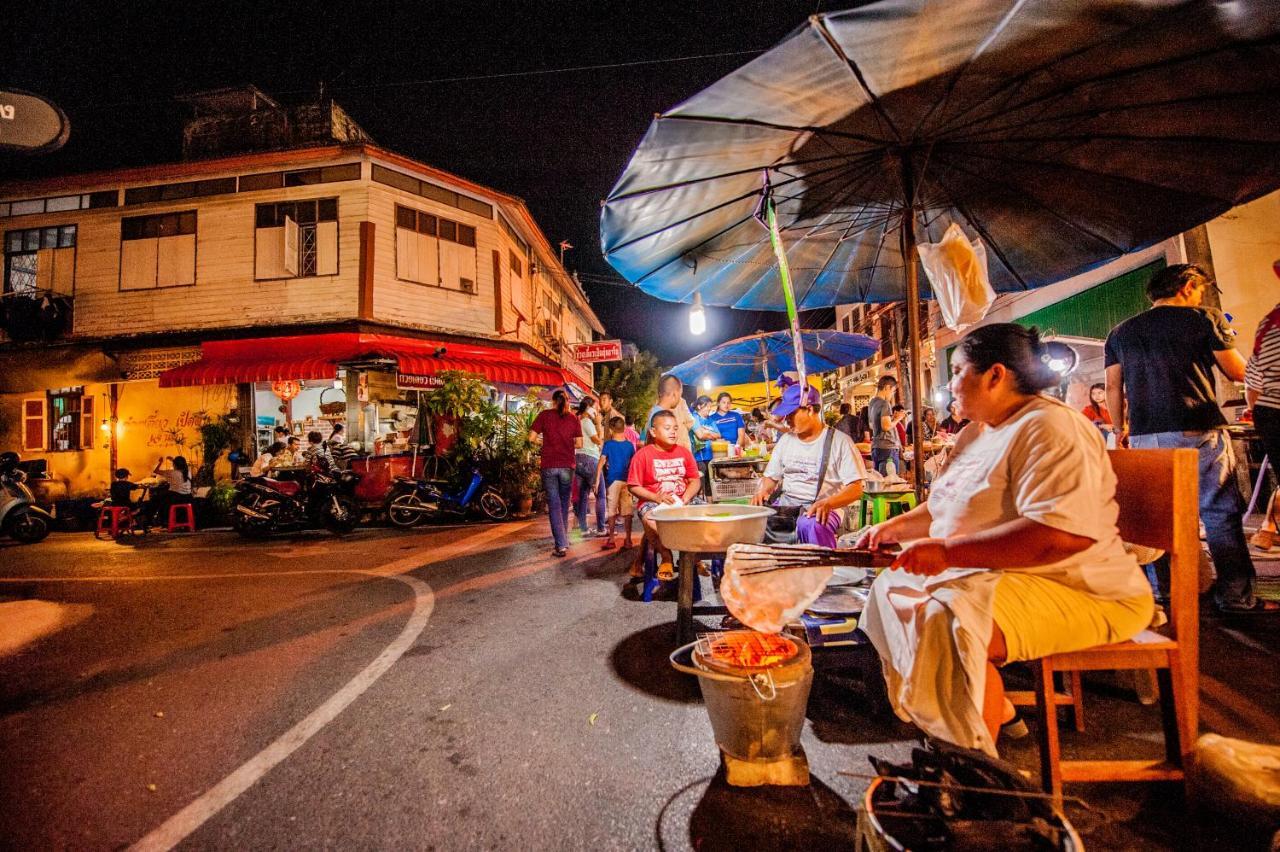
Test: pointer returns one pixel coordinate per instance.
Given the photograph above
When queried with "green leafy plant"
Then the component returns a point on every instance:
(220, 497)
(216, 436)
(634, 385)
(461, 394)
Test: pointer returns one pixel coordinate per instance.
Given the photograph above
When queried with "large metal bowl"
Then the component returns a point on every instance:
(710, 528)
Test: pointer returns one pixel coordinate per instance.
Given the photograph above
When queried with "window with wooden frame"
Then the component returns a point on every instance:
(295, 239)
(40, 260)
(60, 421)
(158, 251)
(434, 250)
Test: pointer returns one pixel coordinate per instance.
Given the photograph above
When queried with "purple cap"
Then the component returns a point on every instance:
(792, 399)
(787, 379)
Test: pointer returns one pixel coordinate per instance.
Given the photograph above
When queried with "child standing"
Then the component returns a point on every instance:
(662, 473)
(614, 465)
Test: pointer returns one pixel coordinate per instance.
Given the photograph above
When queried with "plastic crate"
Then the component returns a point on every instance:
(733, 489)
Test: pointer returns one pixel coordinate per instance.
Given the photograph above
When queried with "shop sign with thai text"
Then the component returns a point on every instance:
(408, 381)
(597, 351)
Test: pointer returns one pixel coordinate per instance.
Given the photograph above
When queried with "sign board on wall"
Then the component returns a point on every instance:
(597, 351)
(408, 381)
(29, 124)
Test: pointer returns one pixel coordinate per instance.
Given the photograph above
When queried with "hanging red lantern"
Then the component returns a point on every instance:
(286, 390)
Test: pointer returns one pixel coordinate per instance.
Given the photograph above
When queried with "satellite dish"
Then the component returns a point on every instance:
(30, 124)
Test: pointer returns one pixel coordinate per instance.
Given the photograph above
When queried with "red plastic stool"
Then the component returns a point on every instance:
(113, 520)
(188, 522)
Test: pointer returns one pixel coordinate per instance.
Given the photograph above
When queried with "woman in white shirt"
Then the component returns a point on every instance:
(1014, 556)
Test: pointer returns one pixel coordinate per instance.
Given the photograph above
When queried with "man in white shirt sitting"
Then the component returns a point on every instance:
(797, 463)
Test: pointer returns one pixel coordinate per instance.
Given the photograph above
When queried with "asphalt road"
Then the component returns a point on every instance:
(449, 689)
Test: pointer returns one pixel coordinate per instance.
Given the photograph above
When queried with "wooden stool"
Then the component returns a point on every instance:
(113, 520)
(879, 507)
(188, 522)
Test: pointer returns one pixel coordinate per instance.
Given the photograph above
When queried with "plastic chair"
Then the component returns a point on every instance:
(651, 583)
(879, 507)
(113, 520)
(188, 521)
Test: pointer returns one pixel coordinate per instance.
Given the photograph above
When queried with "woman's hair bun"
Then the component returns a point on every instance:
(1018, 348)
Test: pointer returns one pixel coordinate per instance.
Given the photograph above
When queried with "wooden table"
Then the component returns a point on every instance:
(684, 596)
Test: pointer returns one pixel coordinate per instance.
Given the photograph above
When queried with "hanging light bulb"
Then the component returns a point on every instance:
(697, 316)
(706, 383)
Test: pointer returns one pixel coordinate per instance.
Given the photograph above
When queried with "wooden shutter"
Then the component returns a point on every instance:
(87, 422)
(44, 269)
(290, 246)
(34, 428)
(326, 248)
(176, 260)
(268, 258)
(64, 271)
(138, 264)
(406, 255)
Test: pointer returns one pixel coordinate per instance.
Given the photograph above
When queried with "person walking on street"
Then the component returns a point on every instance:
(560, 434)
(1262, 393)
(586, 459)
(1160, 393)
(886, 448)
(847, 423)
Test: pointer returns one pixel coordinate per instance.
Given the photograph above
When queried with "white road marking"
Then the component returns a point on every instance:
(180, 825)
(173, 830)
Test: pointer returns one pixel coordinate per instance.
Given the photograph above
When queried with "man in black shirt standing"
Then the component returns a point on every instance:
(1160, 390)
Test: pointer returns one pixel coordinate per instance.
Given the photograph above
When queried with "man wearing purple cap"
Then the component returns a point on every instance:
(819, 468)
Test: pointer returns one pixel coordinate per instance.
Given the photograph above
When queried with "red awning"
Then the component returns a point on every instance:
(317, 356)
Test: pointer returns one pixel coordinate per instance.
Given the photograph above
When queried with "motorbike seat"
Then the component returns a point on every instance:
(285, 487)
(406, 480)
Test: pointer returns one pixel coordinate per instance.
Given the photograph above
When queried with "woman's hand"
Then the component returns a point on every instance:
(926, 557)
(876, 537)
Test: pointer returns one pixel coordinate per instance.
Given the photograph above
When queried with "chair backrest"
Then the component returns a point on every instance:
(1159, 496)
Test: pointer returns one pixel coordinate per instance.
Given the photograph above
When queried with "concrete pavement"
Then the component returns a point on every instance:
(532, 707)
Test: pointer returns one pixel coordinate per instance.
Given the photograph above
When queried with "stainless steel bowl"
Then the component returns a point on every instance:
(710, 528)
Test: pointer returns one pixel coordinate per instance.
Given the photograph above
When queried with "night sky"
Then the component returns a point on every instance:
(558, 140)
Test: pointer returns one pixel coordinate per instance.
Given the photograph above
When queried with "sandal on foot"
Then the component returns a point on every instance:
(666, 571)
(560, 551)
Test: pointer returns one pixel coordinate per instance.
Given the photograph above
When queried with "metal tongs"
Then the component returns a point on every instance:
(763, 558)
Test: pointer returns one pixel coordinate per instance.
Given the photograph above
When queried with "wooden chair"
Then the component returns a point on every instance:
(1158, 493)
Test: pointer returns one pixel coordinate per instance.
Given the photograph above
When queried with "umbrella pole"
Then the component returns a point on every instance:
(913, 319)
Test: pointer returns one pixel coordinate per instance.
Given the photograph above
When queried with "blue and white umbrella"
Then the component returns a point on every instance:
(763, 357)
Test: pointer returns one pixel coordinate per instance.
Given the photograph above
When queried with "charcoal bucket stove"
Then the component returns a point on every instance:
(756, 690)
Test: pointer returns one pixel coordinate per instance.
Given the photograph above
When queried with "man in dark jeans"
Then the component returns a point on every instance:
(1160, 390)
(886, 446)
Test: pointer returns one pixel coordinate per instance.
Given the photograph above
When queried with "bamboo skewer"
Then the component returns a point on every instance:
(760, 559)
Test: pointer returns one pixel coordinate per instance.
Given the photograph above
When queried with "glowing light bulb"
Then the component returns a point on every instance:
(697, 316)
(706, 383)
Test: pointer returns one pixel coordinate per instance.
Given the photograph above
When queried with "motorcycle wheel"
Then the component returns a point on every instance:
(344, 518)
(27, 528)
(402, 510)
(493, 506)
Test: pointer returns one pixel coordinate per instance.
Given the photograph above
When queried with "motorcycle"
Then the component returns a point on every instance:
(20, 517)
(322, 499)
(415, 501)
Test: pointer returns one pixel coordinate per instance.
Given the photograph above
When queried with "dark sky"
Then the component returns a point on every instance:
(558, 140)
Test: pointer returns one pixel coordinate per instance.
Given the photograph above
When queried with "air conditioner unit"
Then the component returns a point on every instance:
(467, 285)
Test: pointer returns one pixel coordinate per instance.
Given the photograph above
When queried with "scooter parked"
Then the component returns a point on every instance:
(20, 517)
(415, 501)
(321, 499)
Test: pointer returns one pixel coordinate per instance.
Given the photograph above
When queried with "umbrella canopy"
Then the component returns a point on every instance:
(761, 357)
(1063, 133)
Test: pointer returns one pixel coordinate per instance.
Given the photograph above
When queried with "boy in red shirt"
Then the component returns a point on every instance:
(661, 473)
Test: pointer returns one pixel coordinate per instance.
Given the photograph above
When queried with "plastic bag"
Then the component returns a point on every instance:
(957, 270)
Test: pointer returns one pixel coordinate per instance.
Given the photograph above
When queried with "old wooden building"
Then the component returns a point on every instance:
(287, 247)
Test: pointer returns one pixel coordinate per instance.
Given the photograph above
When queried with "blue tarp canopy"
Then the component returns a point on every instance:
(761, 357)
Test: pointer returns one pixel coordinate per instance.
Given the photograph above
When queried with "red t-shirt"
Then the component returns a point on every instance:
(1100, 416)
(558, 432)
(662, 471)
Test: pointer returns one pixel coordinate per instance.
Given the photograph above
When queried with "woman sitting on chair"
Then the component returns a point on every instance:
(1015, 555)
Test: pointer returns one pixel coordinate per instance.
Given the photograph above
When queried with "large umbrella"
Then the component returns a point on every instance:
(762, 357)
(1062, 133)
